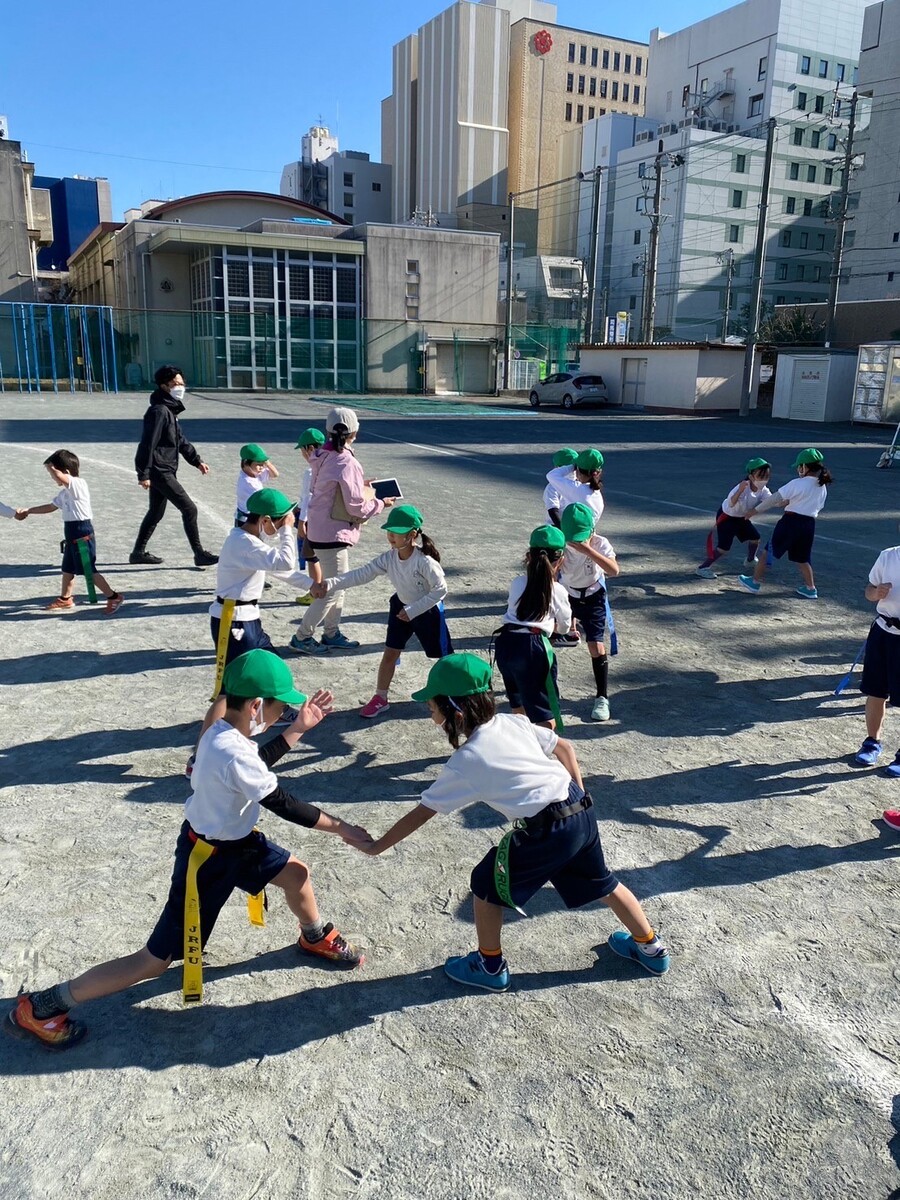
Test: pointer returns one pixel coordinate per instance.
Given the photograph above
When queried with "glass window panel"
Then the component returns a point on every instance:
(323, 283)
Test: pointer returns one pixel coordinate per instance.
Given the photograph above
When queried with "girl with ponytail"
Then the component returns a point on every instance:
(417, 606)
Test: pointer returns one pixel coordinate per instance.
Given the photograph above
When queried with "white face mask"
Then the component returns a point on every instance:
(177, 393)
(257, 724)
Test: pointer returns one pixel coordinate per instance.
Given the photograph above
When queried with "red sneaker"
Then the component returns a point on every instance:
(891, 816)
(60, 604)
(333, 947)
(55, 1033)
(114, 603)
(375, 706)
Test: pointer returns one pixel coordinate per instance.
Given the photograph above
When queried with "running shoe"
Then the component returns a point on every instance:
(562, 640)
(375, 706)
(891, 816)
(806, 593)
(706, 573)
(113, 603)
(54, 1033)
(749, 584)
(143, 558)
(869, 752)
(189, 766)
(337, 641)
(469, 970)
(894, 768)
(600, 711)
(307, 645)
(203, 558)
(306, 600)
(60, 604)
(333, 947)
(625, 946)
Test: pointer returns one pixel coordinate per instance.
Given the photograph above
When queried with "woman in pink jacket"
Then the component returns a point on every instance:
(335, 473)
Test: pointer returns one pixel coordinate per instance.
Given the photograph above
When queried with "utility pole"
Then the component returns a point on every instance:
(841, 224)
(589, 321)
(726, 258)
(511, 229)
(649, 313)
(759, 262)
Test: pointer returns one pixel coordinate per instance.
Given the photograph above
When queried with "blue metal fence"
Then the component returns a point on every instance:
(53, 347)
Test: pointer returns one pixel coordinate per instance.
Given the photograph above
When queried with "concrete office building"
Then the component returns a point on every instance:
(711, 88)
(344, 182)
(78, 204)
(26, 225)
(871, 267)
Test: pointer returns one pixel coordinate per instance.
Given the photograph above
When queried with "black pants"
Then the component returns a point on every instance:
(165, 488)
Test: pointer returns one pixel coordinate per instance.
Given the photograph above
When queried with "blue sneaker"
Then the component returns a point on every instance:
(625, 946)
(806, 593)
(869, 753)
(338, 642)
(468, 969)
(749, 584)
(307, 646)
(894, 769)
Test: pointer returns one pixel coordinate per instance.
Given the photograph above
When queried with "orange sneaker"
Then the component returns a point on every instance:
(60, 604)
(333, 947)
(113, 603)
(55, 1033)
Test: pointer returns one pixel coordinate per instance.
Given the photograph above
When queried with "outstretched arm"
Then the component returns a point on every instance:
(38, 508)
(413, 820)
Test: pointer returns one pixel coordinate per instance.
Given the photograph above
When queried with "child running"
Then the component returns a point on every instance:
(537, 606)
(255, 473)
(79, 549)
(310, 440)
(588, 559)
(803, 499)
(733, 518)
(232, 781)
(417, 604)
(562, 458)
(584, 487)
(531, 777)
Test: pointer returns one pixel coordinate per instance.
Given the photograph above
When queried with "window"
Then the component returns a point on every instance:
(820, 104)
(849, 238)
(798, 136)
(790, 205)
(890, 277)
(807, 208)
(639, 202)
(780, 299)
(579, 114)
(568, 112)
(817, 274)
(637, 237)
(642, 170)
(617, 61)
(603, 89)
(831, 143)
(804, 64)
(762, 67)
(635, 269)
(582, 55)
(412, 312)
(802, 98)
(781, 271)
(626, 89)
(737, 198)
(794, 171)
(615, 89)
(594, 56)
(840, 71)
(823, 68)
(605, 60)
(570, 82)
(637, 94)
(815, 138)
(412, 292)
(412, 266)
(592, 91)
(668, 102)
(580, 85)
(376, 187)
(601, 112)
(734, 233)
(685, 95)
(632, 303)
(811, 174)
(627, 64)
(804, 240)
(348, 199)
(896, 237)
(824, 208)
(754, 109)
(638, 65)
(786, 238)
(820, 241)
(740, 164)
(591, 113)
(571, 51)
(799, 272)
(829, 175)
(704, 86)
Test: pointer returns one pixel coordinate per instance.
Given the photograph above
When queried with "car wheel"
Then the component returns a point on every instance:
(568, 402)
(534, 400)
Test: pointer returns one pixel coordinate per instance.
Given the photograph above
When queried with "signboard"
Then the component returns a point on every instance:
(621, 327)
(610, 329)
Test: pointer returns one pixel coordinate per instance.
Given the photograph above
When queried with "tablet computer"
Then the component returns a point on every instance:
(386, 489)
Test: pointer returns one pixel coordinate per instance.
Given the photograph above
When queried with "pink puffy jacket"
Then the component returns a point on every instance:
(331, 470)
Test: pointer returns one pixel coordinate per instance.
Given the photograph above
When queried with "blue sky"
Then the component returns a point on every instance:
(115, 90)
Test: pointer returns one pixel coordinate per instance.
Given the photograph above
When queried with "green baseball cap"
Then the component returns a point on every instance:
(589, 460)
(403, 518)
(808, 458)
(269, 502)
(455, 675)
(755, 464)
(260, 673)
(577, 522)
(547, 537)
(311, 437)
(253, 453)
(565, 458)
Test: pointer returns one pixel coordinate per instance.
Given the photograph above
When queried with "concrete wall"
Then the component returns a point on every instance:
(689, 379)
(16, 263)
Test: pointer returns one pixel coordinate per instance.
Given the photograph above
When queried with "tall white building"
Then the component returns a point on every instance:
(346, 183)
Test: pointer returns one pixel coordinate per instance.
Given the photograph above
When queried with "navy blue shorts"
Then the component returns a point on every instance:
(430, 628)
(248, 865)
(591, 612)
(71, 560)
(566, 853)
(793, 536)
(522, 661)
(254, 638)
(731, 529)
(881, 665)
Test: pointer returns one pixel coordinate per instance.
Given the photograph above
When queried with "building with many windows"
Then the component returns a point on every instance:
(345, 182)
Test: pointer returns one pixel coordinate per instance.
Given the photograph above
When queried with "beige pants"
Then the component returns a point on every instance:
(327, 612)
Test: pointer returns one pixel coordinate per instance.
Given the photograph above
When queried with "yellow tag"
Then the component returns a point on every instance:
(192, 983)
(222, 645)
(256, 909)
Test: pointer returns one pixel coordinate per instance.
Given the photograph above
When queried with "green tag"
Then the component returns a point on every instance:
(552, 694)
(84, 553)
(501, 873)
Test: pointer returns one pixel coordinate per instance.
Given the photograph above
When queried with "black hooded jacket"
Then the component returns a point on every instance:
(162, 441)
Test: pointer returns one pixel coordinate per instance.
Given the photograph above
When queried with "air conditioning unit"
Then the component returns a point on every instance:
(731, 128)
(704, 124)
(719, 126)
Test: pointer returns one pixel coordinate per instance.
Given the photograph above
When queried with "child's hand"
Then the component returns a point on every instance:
(355, 835)
(21, 514)
(882, 591)
(316, 709)
(301, 527)
(403, 615)
(319, 591)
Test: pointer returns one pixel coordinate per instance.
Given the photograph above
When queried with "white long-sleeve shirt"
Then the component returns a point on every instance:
(418, 580)
(579, 571)
(564, 489)
(303, 499)
(558, 618)
(243, 563)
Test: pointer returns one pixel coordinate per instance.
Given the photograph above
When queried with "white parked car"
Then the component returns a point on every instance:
(570, 390)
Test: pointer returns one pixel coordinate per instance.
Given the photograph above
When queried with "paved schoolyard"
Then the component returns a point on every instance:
(764, 1065)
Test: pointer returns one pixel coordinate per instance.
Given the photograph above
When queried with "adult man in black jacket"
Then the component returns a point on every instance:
(156, 462)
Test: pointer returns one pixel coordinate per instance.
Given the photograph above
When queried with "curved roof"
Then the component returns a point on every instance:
(299, 207)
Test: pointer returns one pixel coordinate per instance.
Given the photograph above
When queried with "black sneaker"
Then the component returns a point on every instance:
(561, 640)
(203, 558)
(143, 558)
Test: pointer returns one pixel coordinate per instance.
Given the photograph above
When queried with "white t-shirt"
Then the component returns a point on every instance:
(564, 489)
(508, 763)
(418, 580)
(558, 619)
(732, 506)
(74, 500)
(579, 571)
(305, 485)
(248, 484)
(228, 781)
(805, 495)
(887, 570)
(242, 566)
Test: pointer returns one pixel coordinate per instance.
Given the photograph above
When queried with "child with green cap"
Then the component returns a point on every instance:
(232, 781)
(417, 606)
(588, 559)
(537, 607)
(733, 517)
(255, 473)
(309, 441)
(531, 777)
(802, 499)
(562, 458)
(583, 486)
